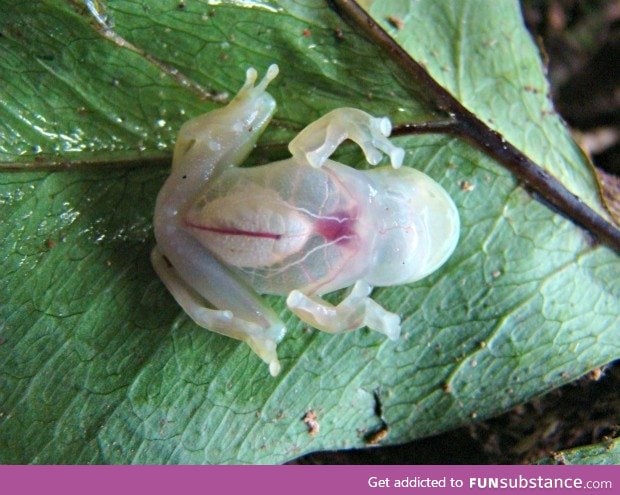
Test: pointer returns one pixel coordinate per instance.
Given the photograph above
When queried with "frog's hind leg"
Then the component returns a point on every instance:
(315, 144)
(354, 311)
(217, 320)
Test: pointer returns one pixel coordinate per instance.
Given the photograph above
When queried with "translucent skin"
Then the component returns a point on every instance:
(301, 227)
(318, 230)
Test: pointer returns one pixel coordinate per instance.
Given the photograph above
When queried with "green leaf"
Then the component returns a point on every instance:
(105, 102)
(604, 453)
(98, 363)
(487, 62)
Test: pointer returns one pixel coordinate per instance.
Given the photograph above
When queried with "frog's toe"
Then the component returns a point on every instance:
(382, 125)
(266, 350)
(251, 75)
(379, 319)
(270, 75)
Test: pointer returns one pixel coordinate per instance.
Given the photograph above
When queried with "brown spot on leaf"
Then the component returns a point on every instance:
(311, 421)
(396, 22)
(377, 436)
(467, 186)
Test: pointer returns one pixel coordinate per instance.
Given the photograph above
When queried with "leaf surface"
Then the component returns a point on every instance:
(604, 453)
(98, 363)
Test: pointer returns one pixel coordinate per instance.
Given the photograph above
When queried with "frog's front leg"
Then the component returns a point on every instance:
(354, 311)
(194, 296)
(315, 144)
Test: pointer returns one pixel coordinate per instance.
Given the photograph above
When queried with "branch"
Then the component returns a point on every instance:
(468, 126)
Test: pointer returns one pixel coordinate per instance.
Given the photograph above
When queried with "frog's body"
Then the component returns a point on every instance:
(301, 227)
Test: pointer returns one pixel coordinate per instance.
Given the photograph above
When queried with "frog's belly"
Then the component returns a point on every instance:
(284, 226)
(326, 262)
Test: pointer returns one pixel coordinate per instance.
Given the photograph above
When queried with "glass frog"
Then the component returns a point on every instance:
(301, 227)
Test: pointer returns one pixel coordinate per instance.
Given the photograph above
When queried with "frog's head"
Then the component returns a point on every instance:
(418, 228)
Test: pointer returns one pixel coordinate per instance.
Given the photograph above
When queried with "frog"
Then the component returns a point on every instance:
(303, 227)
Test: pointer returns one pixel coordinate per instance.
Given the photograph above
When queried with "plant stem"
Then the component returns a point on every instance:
(467, 125)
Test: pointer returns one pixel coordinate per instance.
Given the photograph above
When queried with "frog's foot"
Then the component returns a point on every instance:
(226, 323)
(261, 340)
(266, 350)
(354, 311)
(249, 90)
(315, 144)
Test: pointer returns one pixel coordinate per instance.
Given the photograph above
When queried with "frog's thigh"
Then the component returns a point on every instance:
(356, 310)
(315, 144)
(220, 321)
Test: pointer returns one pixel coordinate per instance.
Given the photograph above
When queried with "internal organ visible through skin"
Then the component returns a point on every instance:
(233, 231)
(265, 231)
(339, 228)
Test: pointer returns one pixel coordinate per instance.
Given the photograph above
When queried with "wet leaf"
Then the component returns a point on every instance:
(604, 453)
(98, 363)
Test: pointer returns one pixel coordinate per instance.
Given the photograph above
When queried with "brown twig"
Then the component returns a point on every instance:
(468, 126)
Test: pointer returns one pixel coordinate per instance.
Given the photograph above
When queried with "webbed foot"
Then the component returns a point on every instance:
(316, 143)
(354, 311)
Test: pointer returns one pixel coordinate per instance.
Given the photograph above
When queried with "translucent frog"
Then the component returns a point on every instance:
(301, 227)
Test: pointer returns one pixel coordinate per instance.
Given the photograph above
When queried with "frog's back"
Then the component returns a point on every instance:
(286, 226)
